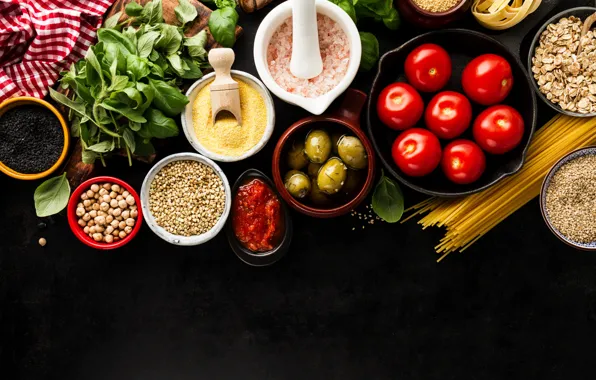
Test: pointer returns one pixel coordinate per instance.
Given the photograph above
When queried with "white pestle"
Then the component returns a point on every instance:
(306, 60)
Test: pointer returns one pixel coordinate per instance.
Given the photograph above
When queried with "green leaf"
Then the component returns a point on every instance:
(167, 98)
(75, 105)
(159, 125)
(51, 197)
(387, 200)
(154, 55)
(148, 93)
(370, 51)
(347, 6)
(225, 3)
(123, 110)
(114, 52)
(131, 34)
(137, 67)
(89, 157)
(379, 10)
(119, 82)
(185, 12)
(176, 63)
(115, 37)
(143, 148)
(129, 96)
(134, 126)
(392, 20)
(129, 139)
(102, 147)
(75, 126)
(146, 42)
(194, 70)
(133, 9)
(112, 22)
(92, 60)
(196, 45)
(222, 24)
(152, 12)
(169, 40)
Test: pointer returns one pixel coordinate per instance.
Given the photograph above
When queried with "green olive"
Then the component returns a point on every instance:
(332, 176)
(313, 169)
(291, 173)
(296, 157)
(354, 181)
(335, 137)
(298, 185)
(317, 146)
(316, 196)
(352, 152)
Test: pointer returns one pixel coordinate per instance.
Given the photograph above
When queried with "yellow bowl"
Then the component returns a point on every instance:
(22, 100)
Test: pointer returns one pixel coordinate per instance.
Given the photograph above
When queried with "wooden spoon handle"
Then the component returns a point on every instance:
(221, 59)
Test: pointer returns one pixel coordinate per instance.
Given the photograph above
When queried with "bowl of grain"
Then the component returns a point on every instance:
(186, 199)
(568, 199)
(432, 14)
(341, 50)
(562, 71)
(226, 140)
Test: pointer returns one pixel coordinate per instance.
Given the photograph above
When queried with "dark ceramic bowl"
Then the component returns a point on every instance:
(463, 46)
(411, 12)
(582, 13)
(262, 258)
(546, 183)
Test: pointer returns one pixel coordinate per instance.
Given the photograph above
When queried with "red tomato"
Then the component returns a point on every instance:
(428, 68)
(463, 161)
(400, 106)
(448, 114)
(498, 129)
(487, 79)
(417, 152)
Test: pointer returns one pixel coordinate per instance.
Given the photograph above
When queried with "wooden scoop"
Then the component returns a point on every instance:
(225, 95)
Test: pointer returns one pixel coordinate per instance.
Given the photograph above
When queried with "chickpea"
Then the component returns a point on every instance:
(91, 222)
(122, 204)
(134, 213)
(109, 230)
(87, 203)
(122, 235)
(116, 238)
(121, 225)
(99, 229)
(96, 196)
(116, 188)
(130, 222)
(102, 213)
(103, 192)
(111, 211)
(96, 206)
(86, 217)
(119, 197)
(130, 200)
(113, 203)
(97, 236)
(116, 233)
(90, 193)
(114, 224)
(104, 206)
(84, 196)
(95, 188)
(128, 229)
(107, 186)
(80, 204)
(125, 214)
(100, 220)
(92, 229)
(113, 194)
(116, 213)
(82, 223)
(86, 229)
(119, 218)
(108, 239)
(80, 211)
(109, 219)
(91, 236)
(106, 198)
(125, 193)
(93, 214)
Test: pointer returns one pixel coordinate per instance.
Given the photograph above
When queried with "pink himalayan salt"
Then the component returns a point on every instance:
(335, 52)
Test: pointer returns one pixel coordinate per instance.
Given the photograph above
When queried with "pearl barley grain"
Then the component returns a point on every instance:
(187, 198)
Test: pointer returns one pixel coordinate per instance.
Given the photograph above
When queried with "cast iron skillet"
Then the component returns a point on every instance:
(462, 45)
(262, 258)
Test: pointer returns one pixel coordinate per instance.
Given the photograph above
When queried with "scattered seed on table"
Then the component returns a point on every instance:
(42, 242)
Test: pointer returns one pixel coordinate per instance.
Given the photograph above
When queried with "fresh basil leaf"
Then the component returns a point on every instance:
(194, 70)
(347, 6)
(370, 51)
(169, 40)
(75, 105)
(145, 43)
(89, 157)
(119, 82)
(114, 53)
(112, 21)
(113, 36)
(129, 139)
(124, 110)
(388, 200)
(152, 12)
(92, 60)
(51, 197)
(196, 45)
(133, 9)
(102, 147)
(222, 24)
(134, 126)
(392, 20)
(176, 64)
(136, 67)
(143, 148)
(167, 98)
(131, 34)
(225, 3)
(379, 10)
(75, 126)
(148, 93)
(185, 12)
(156, 71)
(129, 96)
(154, 55)
(159, 125)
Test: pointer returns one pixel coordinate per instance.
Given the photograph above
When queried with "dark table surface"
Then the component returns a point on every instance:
(368, 303)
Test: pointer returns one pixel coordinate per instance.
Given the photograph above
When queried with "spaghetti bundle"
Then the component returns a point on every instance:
(468, 219)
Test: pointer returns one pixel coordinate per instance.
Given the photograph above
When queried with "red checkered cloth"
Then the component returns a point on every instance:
(41, 38)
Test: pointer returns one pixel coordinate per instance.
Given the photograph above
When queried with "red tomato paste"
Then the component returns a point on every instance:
(256, 214)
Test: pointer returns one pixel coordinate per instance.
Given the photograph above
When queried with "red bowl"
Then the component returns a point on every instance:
(346, 116)
(73, 218)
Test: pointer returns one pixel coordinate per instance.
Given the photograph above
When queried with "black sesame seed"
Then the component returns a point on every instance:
(31, 139)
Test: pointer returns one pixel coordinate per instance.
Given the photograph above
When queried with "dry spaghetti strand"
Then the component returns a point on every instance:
(468, 219)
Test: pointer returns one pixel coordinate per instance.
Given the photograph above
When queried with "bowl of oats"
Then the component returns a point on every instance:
(561, 61)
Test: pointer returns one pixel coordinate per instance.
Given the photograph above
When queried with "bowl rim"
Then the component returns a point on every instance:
(160, 231)
(535, 40)
(189, 129)
(78, 231)
(390, 165)
(272, 256)
(276, 16)
(22, 100)
(324, 212)
(543, 188)
(448, 12)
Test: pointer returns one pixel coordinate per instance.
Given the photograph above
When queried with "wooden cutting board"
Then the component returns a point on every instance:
(77, 171)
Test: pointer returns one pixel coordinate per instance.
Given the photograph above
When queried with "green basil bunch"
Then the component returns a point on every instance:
(222, 22)
(125, 91)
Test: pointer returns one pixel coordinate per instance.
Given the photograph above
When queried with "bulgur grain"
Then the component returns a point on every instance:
(436, 6)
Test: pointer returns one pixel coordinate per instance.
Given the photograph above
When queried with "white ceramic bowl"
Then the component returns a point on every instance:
(187, 123)
(273, 21)
(177, 239)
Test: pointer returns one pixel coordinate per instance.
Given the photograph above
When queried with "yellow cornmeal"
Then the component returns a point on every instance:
(226, 137)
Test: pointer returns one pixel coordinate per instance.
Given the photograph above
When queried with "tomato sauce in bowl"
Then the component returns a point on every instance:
(257, 216)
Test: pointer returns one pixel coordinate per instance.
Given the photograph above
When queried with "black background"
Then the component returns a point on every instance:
(368, 303)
